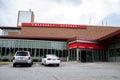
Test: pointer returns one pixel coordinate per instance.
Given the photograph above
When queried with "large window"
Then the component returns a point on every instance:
(114, 55)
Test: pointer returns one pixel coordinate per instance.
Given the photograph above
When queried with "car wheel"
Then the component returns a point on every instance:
(29, 65)
(14, 65)
(45, 63)
(42, 64)
(58, 64)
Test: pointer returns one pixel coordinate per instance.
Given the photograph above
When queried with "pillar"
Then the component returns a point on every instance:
(77, 50)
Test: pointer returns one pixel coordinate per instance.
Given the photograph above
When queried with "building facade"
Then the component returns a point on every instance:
(81, 43)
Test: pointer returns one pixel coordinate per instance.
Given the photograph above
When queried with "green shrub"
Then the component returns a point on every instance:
(35, 60)
(5, 59)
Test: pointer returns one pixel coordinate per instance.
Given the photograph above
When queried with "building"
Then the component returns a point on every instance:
(25, 16)
(84, 43)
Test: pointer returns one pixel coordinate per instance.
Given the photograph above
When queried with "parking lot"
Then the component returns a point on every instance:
(66, 71)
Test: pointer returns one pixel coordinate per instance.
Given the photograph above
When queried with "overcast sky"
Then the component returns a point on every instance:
(93, 12)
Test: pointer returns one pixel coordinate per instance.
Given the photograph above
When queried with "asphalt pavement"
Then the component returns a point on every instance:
(66, 71)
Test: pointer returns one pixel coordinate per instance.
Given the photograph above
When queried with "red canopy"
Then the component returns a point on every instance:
(87, 46)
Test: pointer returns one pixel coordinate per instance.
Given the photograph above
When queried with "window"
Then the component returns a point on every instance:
(22, 54)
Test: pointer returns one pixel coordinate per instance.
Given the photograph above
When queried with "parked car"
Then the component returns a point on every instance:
(51, 59)
(22, 57)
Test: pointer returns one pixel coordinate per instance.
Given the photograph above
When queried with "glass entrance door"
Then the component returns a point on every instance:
(86, 56)
(89, 57)
(83, 56)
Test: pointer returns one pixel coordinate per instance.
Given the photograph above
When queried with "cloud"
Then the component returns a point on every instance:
(61, 11)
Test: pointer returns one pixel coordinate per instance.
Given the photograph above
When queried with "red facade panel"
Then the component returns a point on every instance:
(87, 46)
(53, 25)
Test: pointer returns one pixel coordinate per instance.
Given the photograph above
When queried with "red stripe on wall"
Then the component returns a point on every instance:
(87, 46)
(53, 25)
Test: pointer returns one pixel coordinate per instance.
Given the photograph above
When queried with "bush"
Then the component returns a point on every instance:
(35, 60)
(5, 59)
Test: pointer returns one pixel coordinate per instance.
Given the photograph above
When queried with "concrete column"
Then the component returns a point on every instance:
(5, 52)
(92, 56)
(0, 52)
(43, 53)
(108, 58)
(77, 50)
(68, 55)
(34, 52)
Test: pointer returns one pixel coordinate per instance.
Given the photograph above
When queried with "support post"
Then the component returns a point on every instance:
(77, 50)
(68, 55)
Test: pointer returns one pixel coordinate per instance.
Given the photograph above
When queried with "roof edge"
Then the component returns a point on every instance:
(80, 38)
(117, 32)
(36, 38)
(6, 27)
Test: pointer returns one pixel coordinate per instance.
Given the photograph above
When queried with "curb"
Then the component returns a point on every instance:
(5, 63)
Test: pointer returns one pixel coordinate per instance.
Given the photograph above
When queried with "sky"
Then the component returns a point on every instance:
(82, 12)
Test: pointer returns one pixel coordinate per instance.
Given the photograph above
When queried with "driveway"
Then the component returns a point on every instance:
(66, 71)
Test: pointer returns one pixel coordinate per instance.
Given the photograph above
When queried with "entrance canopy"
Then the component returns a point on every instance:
(87, 46)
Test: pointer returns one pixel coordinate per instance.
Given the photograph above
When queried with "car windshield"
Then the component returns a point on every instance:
(22, 54)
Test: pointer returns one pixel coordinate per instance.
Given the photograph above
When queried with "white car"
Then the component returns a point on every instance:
(51, 59)
(22, 57)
